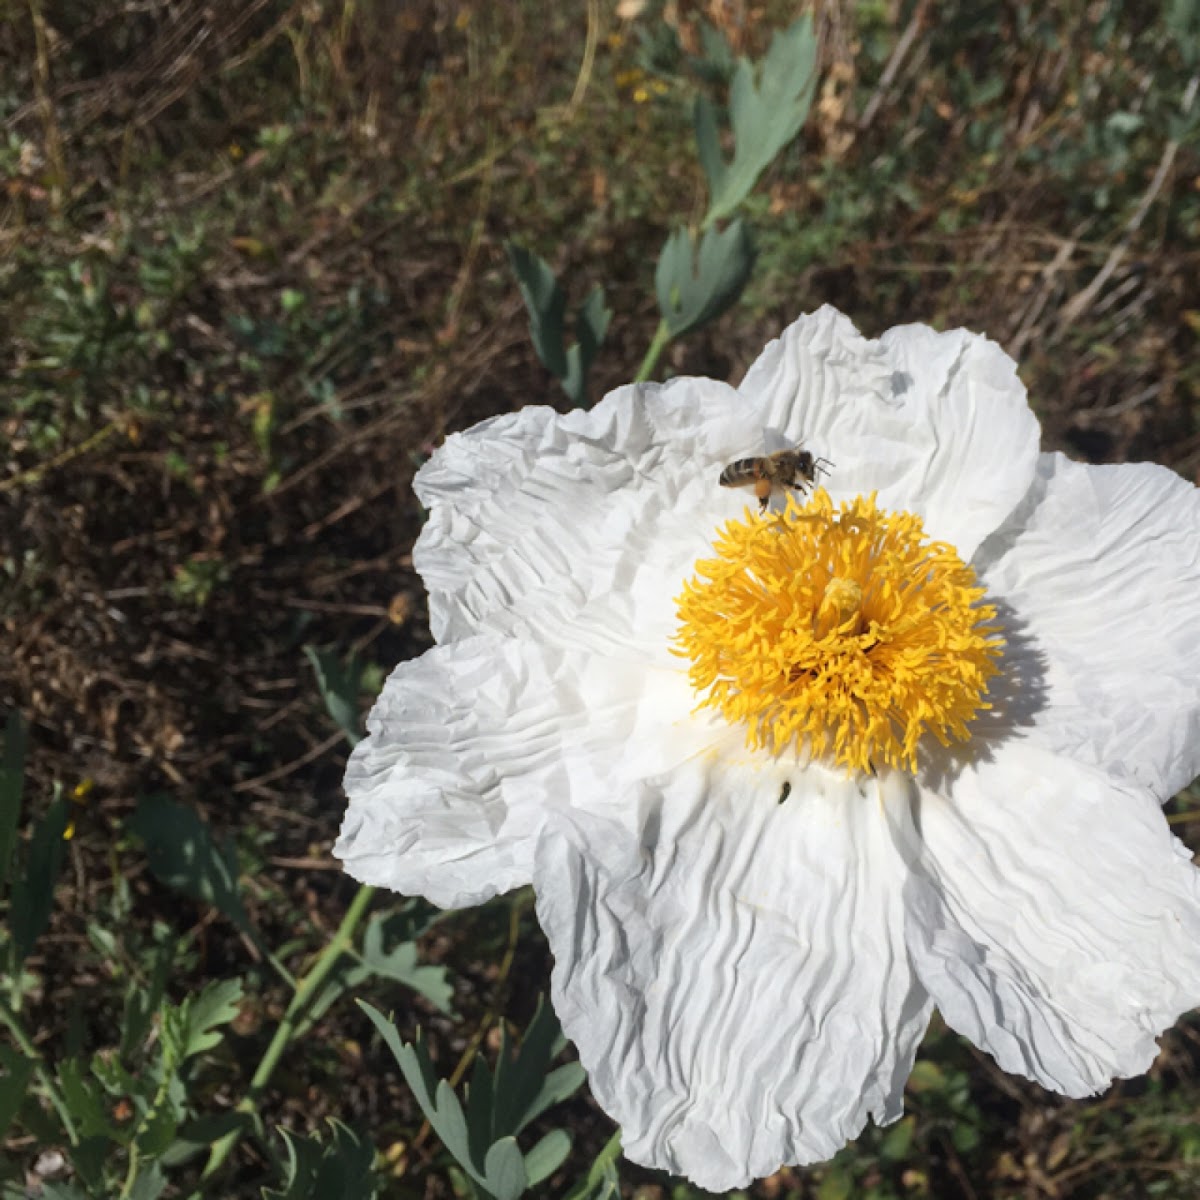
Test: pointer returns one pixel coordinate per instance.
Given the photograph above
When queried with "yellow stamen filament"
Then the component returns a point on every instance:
(842, 631)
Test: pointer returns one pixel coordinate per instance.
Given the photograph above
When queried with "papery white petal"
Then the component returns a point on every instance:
(731, 968)
(578, 528)
(1101, 582)
(936, 423)
(469, 745)
(1053, 917)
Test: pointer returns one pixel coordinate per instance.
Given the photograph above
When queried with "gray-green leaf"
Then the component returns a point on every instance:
(695, 288)
(767, 107)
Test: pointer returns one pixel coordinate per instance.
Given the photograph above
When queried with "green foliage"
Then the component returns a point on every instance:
(29, 878)
(546, 304)
(696, 286)
(12, 777)
(183, 854)
(340, 682)
(337, 1170)
(768, 104)
(197, 578)
(18, 1071)
(33, 889)
(482, 1140)
(125, 1111)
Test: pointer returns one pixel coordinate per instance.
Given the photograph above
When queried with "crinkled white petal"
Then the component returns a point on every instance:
(578, 529)
(936, 423)
(471, 744)
(1100, 581)
(733, 969)
(1053, 917)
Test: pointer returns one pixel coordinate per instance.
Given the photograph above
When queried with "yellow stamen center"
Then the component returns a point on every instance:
(843, 631)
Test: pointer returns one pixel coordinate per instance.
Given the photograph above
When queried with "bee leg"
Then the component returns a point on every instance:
(762, 489)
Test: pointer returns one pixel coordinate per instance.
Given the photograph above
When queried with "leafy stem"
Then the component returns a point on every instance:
(44, 1077)
(307, 988)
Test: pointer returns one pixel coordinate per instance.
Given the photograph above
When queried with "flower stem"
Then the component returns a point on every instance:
(659, 343)
(306, 990)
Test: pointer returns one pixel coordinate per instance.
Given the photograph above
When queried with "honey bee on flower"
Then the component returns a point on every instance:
(770, 473)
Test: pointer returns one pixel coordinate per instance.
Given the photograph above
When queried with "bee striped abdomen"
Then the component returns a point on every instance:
(742, 472)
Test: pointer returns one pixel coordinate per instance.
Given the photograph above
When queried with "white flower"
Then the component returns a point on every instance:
(749, 940)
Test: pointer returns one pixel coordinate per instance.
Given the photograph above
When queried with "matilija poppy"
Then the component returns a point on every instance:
(784, 781)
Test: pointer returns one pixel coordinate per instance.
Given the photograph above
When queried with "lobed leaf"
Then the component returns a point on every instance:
(693, 287)
(483, 1139)
(768, 105)
(546, 305)
(400, 963)
(200, 1016)
(341, 1169)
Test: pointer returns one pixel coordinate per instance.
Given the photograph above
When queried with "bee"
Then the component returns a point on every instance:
(793, 468)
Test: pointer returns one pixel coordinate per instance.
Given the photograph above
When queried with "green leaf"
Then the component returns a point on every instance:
(199, 1134)
(157, 1132)
(504, 1170)
(590, 327)
(896, 1144)
(150, 1183)
(33, 890)
(481, 1110)
(340, 1170)
(84, 1101)
(926, 1077)
(184, 855)
(547, 1156)
(767, 107)
(195, 1022)
(545, 303)
(602, 1181)
(436, 1098)
(142, 1000)
(116, 1079)
(340, 683)
(521, 1080)
(61, 1191)
(13, 1084)
(12, 774)
(694, 289)
(400, 963)
(483, 1139)
(717, 61)
(1183, 23)
(547, 307)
